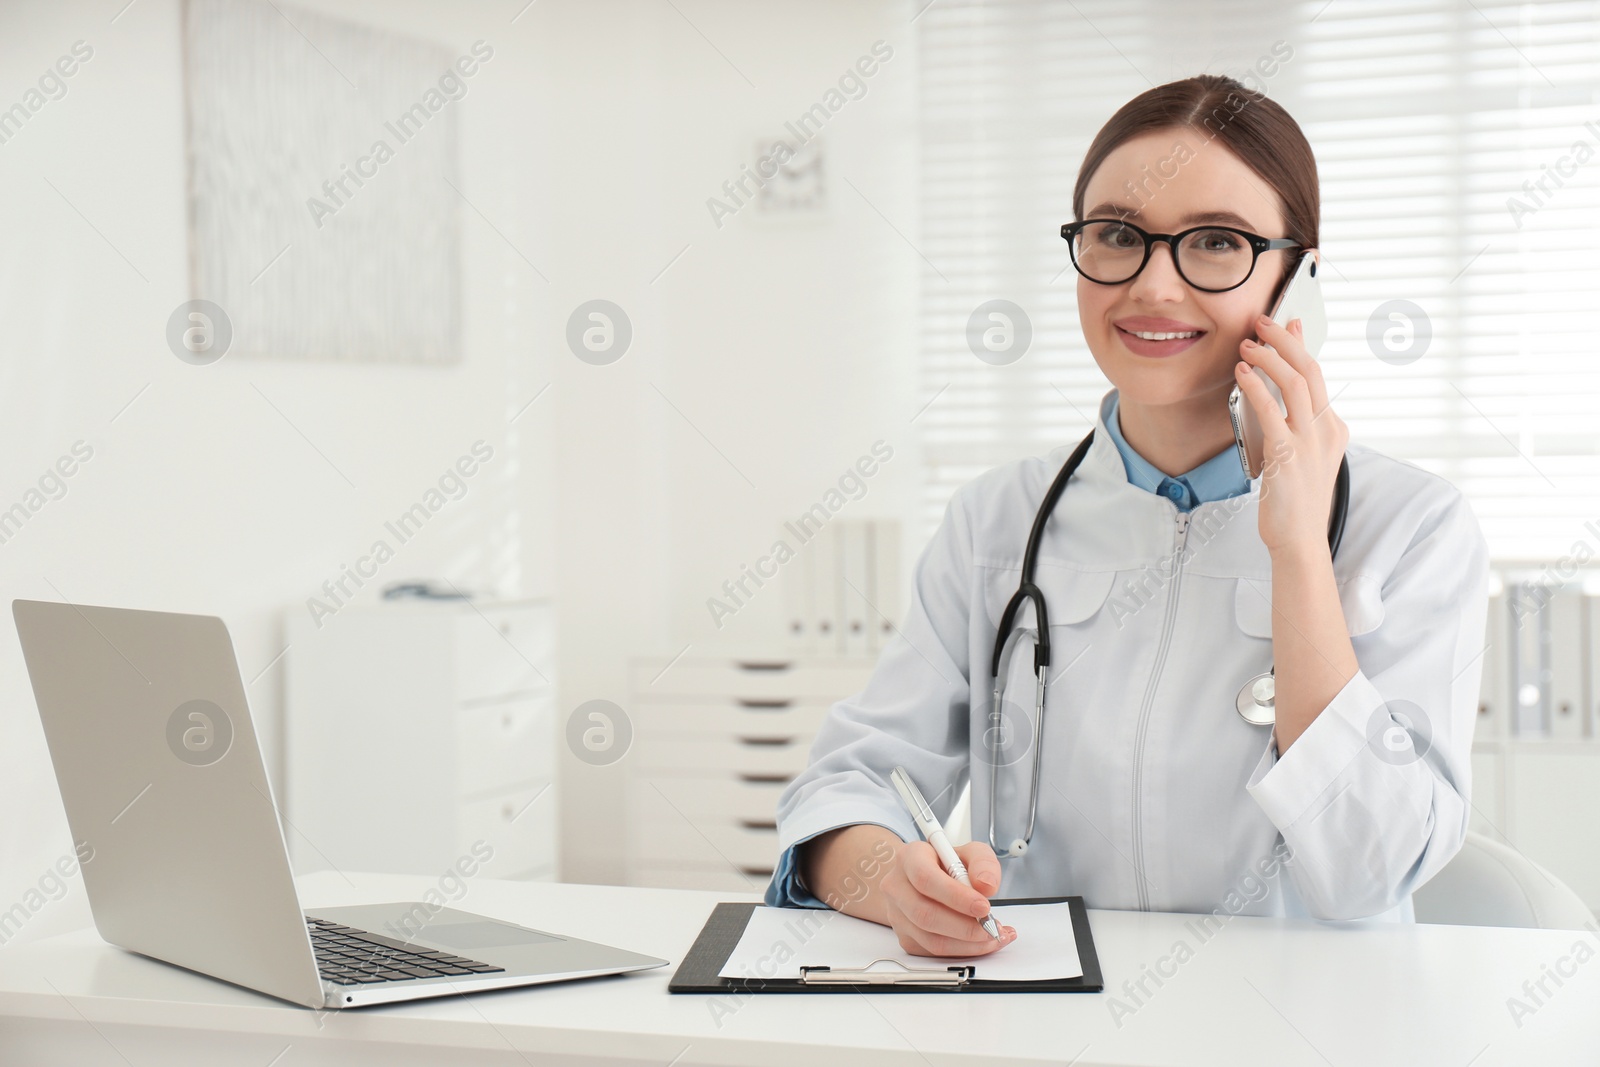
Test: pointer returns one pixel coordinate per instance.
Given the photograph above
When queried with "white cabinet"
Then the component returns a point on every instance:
(416, 730)
(715, 742)
(1535, 756)
(1539, 676)
(1542, 798)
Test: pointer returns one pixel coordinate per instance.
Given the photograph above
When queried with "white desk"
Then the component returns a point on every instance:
(1286, 993)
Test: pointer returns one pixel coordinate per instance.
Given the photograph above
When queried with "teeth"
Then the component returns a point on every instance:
(1163, 336)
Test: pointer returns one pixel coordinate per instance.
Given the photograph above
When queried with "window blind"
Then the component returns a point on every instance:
(1458, 145)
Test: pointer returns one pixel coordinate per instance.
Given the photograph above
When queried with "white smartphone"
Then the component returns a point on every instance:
(1300, 298)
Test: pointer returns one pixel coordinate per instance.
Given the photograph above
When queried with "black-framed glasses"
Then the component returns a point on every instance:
(1213, 259)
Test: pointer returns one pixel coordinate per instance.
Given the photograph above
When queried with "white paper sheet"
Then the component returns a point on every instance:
(779, 941)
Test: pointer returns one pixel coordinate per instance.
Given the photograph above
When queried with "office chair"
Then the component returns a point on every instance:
(1490, 884)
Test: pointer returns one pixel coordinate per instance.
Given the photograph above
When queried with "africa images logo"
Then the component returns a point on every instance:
(199, 732)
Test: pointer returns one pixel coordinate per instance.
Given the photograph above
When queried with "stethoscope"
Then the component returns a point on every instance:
(1255, 702)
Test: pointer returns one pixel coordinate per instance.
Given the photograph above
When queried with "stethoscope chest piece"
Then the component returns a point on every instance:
(1256, 701)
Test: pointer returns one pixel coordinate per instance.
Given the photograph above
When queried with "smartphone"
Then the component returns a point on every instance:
(1300, 298)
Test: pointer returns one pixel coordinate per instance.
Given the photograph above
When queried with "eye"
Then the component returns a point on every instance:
(1217, 242)
(1113, 235)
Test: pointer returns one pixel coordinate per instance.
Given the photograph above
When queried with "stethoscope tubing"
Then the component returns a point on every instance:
(1029, 592)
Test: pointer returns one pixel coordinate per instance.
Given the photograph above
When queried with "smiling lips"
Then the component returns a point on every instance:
(1145, 336)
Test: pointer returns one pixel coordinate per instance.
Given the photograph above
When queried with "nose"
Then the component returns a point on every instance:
(1159, 282)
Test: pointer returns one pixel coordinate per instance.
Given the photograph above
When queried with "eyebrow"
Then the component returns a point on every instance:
(1200, 218)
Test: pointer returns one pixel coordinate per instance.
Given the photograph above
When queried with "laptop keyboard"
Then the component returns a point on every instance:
(348, 956)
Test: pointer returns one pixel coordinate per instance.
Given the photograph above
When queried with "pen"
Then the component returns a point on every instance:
(928, 823)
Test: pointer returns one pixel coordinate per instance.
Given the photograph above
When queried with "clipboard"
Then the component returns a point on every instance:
(723, 929)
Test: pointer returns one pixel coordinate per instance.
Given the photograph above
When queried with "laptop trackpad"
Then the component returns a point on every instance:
(483, 934)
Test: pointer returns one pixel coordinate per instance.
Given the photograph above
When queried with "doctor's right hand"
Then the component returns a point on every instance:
(865, 870)
(931, 912)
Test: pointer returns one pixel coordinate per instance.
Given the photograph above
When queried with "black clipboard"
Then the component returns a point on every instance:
(722, 931)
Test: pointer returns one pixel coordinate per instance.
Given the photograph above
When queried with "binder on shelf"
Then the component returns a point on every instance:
(871, 643)
(854, 587)
(799, 598)
(1494, 691)
(1591, 663)
(1529, 662)
(826, 589)
(883, 555)
(1563, 611)
(842, 591)
(698, 973)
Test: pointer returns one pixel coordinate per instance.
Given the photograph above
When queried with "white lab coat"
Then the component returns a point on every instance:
(1154, 793)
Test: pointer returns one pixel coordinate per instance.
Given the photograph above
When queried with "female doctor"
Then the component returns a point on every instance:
(1171, 580)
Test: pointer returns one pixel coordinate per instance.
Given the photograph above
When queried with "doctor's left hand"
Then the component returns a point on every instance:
(1303, 450)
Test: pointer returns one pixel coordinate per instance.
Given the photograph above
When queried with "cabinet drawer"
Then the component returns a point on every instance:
(731, 716)
(727, 798)
(720, 678)
(665, 837)
(519, 824)
(500, 745)
(723, 879)
(702, 755)
(501, 650)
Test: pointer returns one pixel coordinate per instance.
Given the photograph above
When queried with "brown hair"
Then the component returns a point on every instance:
(1249, 124)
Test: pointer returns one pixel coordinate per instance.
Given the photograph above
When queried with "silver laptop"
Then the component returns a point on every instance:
(162, 778)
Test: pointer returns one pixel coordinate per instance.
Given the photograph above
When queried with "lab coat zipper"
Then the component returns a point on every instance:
(1144, 711)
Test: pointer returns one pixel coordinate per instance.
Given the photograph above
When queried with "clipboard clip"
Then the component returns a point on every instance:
(931, 976)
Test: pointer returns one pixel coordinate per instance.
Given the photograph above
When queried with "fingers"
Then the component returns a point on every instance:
(940, 931)
(934, 914)
(920, 943)
(927, 877)
(1290, 345)
(1273, 426)
(983, 868)
(1293, 388)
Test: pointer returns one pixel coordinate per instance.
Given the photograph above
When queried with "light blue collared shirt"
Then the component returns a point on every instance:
(1218, 478)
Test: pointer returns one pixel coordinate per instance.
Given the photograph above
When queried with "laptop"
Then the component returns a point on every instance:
(162, 778)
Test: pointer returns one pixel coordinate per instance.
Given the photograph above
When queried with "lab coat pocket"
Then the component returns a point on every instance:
(1073, 602)
(1359, 598)
(1071, 597)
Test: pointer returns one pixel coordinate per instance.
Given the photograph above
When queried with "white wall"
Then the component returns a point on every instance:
(591, 142)
(788, 347)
